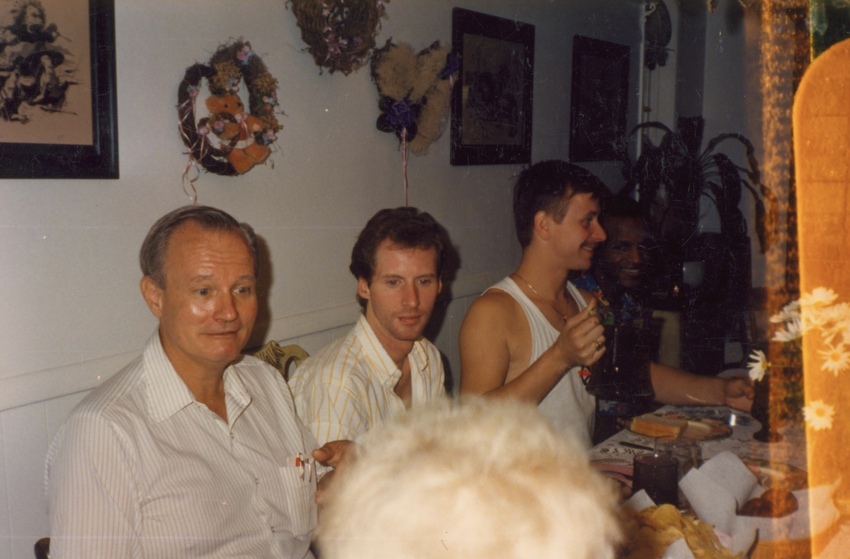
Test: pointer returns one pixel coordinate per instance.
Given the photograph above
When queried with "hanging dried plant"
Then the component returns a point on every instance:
(340, 34)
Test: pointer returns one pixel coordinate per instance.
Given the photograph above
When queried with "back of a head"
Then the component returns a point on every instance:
(542, 187)
(485, 479)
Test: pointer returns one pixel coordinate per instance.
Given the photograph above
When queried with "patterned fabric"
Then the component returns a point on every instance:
(142, 469)
(568, 405)
(626, 310)
(349, 386)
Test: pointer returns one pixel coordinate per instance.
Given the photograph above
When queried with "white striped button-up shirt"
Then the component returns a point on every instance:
(142, 469)
(349, 386)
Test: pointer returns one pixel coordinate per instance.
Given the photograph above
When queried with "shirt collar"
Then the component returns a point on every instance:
(167, 394)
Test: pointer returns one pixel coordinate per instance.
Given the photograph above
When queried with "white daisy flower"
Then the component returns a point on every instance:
(836, 321)
(758, 365)
(835, 358)
(819, 297)
(788, 312)
(819, 415)
(794, 330)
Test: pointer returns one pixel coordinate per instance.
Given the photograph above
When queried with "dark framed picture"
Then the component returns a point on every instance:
(491, 106)
(58, 113)
(600, 99)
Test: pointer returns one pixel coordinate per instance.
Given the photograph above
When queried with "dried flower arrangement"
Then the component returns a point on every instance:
(340, 34)
(414, 91)
(230, 141)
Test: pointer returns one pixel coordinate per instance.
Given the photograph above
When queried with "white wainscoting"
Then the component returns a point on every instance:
(32, 407)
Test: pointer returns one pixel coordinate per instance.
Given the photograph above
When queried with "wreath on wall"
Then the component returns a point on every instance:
(415, 91)
(229, 141)
(340, 34)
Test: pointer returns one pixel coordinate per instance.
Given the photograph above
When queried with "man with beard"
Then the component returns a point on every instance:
(383, 365)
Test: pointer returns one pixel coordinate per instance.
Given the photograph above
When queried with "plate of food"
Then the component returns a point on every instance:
(675, 423)
(777, 475)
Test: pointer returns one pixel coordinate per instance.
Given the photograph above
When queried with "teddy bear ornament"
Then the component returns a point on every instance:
(229, 140)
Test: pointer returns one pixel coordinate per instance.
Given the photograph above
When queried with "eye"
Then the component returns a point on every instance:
(244, 290)
(426, 281)
(203, 292)
(393, 282)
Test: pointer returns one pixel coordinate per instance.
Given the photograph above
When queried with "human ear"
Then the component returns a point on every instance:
(542, 222)
(152, 293)
(363, 289)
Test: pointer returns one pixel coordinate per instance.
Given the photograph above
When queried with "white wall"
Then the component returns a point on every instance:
(72, 314)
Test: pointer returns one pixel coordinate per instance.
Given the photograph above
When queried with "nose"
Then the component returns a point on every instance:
(598, 232)
(635, 255)
(226, 308)
(411, 296)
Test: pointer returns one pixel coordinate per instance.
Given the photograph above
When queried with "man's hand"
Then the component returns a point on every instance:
(738, 393)
(581, 341)
(335, 454)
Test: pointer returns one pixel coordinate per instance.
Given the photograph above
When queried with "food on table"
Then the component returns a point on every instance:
(650, 532)
(777, 474)
(655, 426)
(773, 503)
(672, 423)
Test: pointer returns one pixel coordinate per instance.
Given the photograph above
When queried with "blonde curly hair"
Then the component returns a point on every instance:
(481, 479)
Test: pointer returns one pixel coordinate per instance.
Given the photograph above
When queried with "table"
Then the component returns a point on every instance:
(791, 450)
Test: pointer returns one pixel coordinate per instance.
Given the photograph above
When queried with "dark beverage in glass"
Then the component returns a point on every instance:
(622, 373)
(657, 474)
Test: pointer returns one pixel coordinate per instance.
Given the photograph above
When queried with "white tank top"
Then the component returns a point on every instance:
(568, 405)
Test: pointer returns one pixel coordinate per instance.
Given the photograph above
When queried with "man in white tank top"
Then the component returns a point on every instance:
(531, 335)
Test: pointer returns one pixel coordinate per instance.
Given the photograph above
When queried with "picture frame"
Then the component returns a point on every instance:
(600, 98)
(58, 112)
(492, 104)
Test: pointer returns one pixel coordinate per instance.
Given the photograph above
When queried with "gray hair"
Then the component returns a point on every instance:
(152, 253)
(486, 478)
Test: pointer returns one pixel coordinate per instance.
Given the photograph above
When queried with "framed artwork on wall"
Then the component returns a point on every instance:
(600, 99)
(491, 106)
(58, 112)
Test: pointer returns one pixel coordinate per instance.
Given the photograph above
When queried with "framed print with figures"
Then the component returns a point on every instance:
(58, 115)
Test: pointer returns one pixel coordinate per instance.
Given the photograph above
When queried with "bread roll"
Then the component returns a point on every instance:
(773, 503)
(653, 426)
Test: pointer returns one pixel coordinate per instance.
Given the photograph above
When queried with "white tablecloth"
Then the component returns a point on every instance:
(791, 450)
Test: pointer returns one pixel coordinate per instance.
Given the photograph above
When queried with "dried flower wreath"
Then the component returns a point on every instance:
(339, 33)
(415, 91)
(239, 140)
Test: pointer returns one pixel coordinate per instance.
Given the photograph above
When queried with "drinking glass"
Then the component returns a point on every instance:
(686, 452)
(657, 474)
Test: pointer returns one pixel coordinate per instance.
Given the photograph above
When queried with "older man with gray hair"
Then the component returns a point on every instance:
(192, 450)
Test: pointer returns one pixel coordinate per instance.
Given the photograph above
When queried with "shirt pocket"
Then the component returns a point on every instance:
(298, 504)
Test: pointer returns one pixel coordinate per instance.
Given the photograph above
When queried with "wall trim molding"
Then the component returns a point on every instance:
(39, 386)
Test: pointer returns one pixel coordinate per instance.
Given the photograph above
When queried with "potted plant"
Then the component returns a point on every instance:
(672, 179)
